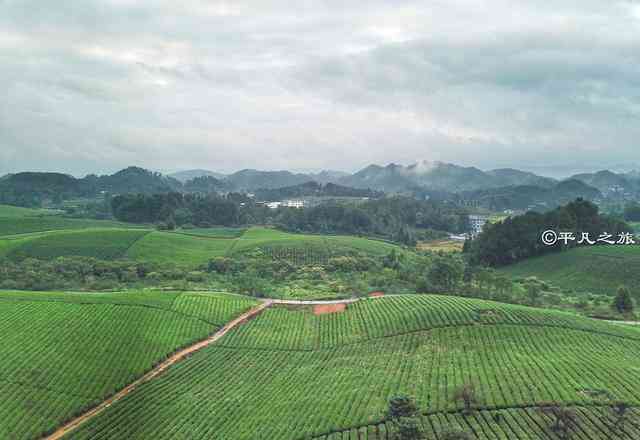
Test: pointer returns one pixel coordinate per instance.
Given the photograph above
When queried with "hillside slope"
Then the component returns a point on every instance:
(289, 374)
(64, 352)
(595, 269)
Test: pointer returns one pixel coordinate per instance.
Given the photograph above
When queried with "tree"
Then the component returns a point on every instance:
(619, 411)
(403, 413)
(564, 421)
(402, 406)
(533, 292)
(409, 429)
(467, 395)
(623, 303)
(445, 274)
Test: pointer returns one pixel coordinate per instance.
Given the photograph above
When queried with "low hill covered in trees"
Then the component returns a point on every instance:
(518, 238)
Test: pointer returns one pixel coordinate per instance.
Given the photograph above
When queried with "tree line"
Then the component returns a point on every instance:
(393, 218)
(518, 238)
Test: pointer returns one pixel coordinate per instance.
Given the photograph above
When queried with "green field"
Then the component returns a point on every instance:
(595, 269)
(289, 374)
(169, 247)
(183, 249)
(19, 212)
(214, 232)
(64, 352)
(15, 220)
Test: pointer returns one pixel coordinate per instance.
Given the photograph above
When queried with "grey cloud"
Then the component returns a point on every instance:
(97, 85)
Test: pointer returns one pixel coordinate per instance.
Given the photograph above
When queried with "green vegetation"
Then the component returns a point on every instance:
(27, 225)
(180, 249)
(597, 269)
(518, 238)
(214, 232)
(63, 352)
(105, 244)
(7, 211)
(289, 374)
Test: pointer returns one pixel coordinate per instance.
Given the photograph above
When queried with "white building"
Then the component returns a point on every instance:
(476, 223)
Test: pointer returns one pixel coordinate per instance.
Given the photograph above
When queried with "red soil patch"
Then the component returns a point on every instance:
(323, 309)
(376, 294)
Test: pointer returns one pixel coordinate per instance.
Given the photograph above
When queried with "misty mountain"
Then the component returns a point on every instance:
(328, 176)
(250, 180)
(389, 179)
(523, 197)
(609, 182)
(184, 176)
(133, 180)
(440, 176)
(314, 189)
(510, 176)
(206, 184)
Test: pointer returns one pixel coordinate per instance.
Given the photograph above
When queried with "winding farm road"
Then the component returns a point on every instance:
(157, 370)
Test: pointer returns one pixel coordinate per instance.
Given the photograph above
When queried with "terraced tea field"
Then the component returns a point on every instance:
(186, 248)
(289, 374)
(62, 353)
(594, 269)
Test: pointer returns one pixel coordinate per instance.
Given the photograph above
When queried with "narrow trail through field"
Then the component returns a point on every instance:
(156, 371)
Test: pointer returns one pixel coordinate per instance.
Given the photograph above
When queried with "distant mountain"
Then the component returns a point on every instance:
(609, 182)
(524, 197)
(314, 189)
(389, 179)
(440, 176)
(186, 175)
(206, 184)
(132, 180)
(328, 176)
(249, 180)
(32, 188)
(510, 176)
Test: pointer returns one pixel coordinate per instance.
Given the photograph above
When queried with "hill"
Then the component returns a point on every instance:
(249, 180)
(610, 183)
(75, 350)
(439, 176)
(595, 269)
(292, 374)
(188, 248)
(314, 189)
(184, 176)
(525, 197)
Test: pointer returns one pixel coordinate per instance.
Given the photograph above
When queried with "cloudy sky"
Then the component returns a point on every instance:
(96, 85)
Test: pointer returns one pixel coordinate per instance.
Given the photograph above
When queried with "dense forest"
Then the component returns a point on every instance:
(394, 218)
(518, 238)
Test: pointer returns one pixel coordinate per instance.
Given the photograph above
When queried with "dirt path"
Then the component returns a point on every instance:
(159, 369)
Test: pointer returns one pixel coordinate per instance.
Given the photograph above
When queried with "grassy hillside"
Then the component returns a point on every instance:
(190, 248)
(169, 247)
(63, 352)
(289, 374)
(104, 244)
(19, 212)
(15, 220)
(596, 269)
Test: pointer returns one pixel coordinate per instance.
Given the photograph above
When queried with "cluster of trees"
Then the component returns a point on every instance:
(632, 212)
(179, 209)
(32, 189)
(394, 218)
(559, 419)
(518, 238)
